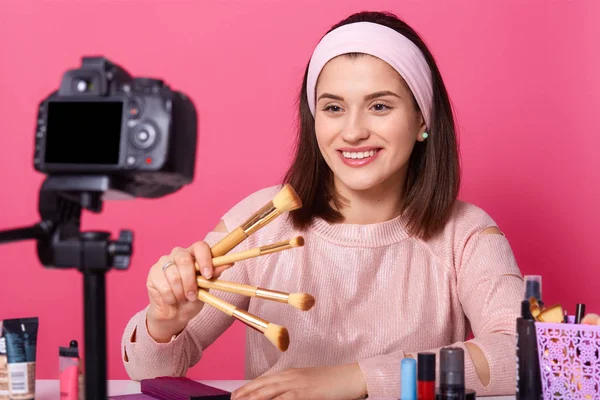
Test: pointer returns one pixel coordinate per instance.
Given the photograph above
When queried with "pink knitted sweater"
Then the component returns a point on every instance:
(380, 295)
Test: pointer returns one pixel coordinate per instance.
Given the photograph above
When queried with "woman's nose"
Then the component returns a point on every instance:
(355, 129)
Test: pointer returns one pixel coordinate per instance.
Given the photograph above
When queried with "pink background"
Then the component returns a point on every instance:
(523, 76)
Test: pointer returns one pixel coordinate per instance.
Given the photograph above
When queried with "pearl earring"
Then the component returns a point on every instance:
(425, 135)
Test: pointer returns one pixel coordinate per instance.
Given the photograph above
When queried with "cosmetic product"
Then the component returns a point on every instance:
(21, 347)
(181, 388)
(579, 313)
(3, 367)
(529, 381)
(553, 314)
(469, 395)
(426, 376)
(409, 379)
(452, 373)
(68, 371)
(533, 288)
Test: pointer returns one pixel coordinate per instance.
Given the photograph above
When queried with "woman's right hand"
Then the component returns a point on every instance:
(172, 289)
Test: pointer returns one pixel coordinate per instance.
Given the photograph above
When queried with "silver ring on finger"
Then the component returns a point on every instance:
(167, 265)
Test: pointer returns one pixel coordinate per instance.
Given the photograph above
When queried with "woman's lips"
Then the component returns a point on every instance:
(359, 156)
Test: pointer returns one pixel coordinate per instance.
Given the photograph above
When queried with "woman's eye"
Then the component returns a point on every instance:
(333, 108)
(380, 107)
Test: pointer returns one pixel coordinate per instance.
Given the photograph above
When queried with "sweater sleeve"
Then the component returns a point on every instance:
(145, 358)
(489, 285)
(490, 288)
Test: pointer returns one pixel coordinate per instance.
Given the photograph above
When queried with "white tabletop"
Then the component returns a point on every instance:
(48, 389)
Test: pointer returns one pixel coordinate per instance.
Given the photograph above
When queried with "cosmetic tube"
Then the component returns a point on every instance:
(409, 379)
(470, 394)
(426, 376)
(68, 368)
(21, 348)
(529, 380)
(452, 373)
(4, 394)
(579, 313)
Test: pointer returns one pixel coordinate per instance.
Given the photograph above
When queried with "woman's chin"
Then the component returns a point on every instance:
(358, 185)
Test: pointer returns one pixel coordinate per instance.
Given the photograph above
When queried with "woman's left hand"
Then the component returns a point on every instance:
(344, 382)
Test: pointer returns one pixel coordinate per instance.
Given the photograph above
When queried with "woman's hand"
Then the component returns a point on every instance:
(172, 289)
(344, 382)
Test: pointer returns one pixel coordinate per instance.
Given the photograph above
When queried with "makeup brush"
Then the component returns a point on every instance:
(301, 301)
(284, 201)
(278, 335)
(258, 251)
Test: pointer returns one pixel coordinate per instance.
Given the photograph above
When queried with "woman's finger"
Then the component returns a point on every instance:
(203, 258)
(180, 273)
(253, 386)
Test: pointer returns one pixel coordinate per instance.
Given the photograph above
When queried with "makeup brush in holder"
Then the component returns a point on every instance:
(284, 201)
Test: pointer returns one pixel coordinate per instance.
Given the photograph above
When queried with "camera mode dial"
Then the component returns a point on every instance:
(143, 135)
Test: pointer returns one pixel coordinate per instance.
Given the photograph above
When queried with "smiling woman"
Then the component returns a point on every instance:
(396, 263)
(366, 118)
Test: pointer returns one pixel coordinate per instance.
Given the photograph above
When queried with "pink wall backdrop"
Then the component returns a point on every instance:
(523, 76)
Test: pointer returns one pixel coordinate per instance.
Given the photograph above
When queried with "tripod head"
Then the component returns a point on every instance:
(129, 137)
(60, 243)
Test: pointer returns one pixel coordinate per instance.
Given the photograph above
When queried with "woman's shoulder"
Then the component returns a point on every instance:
(466, 221)
(467, 216)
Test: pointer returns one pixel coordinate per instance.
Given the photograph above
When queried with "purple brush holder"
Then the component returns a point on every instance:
(569, 357)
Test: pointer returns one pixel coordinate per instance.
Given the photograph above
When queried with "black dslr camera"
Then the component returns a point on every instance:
(103, 121)
(103, 135)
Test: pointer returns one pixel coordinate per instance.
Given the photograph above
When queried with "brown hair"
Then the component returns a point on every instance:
(433, 177)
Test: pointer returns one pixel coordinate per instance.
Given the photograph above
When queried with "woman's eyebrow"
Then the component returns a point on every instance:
(381, 94)
(330, 96)
(367, 97)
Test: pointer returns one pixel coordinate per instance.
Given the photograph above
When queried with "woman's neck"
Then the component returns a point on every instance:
(376, 205)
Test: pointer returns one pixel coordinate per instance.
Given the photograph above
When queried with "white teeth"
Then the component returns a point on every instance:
(361, 154)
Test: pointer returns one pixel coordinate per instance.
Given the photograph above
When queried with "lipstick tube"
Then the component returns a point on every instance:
(426, 376)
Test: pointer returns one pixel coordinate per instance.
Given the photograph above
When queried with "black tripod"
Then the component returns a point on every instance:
(61, 244)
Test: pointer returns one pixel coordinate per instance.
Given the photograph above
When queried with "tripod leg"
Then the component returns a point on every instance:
(95, 335)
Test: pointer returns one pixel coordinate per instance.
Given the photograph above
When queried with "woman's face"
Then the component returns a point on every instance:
(366, 123)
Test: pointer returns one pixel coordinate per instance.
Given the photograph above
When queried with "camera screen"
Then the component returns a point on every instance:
(83, 132)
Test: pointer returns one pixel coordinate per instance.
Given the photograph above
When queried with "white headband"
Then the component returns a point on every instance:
(379, 41)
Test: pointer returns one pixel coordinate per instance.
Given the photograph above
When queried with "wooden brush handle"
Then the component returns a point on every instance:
(239, 288)
(251, 320)
(216, 302)
(244, 290)
(231, 258)
(232, 239)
